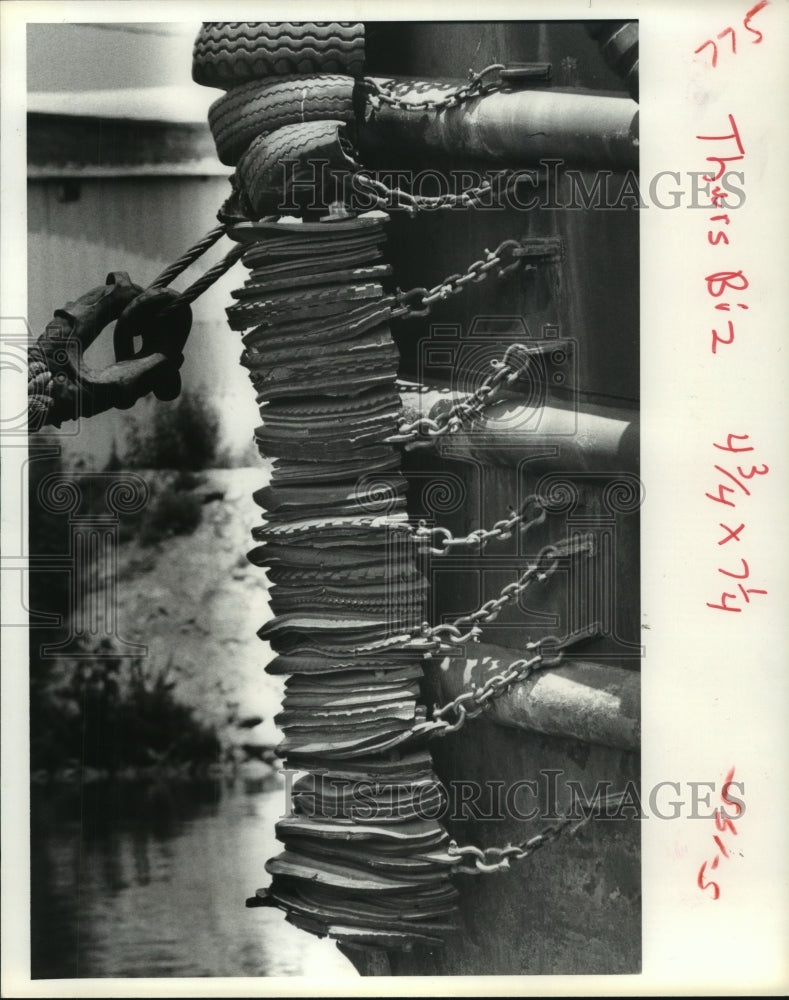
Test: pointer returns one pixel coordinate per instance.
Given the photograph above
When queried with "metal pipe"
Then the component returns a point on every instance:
(592, 702)
(515, 127)
(594, 438)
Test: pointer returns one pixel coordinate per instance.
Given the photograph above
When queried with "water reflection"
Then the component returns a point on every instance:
(130, 879)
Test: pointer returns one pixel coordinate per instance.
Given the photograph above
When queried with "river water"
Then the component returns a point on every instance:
(146, 879)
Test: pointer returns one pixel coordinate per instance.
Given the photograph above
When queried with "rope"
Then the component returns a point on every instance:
(39, 378)
(211, 275)
(39, 394)
(187, 258)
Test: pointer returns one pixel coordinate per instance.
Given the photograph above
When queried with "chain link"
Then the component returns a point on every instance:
(478, 84)
(440, 541)
(466, 409)
(385, 197)
(471, 703)
(429, 638)
(497, 859)
(504, 259)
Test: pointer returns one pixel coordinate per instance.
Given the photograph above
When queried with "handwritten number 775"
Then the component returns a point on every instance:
(746, 23)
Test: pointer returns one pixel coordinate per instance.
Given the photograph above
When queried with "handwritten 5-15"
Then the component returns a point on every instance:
(723, 825)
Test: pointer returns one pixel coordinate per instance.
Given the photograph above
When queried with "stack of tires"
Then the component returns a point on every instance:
(365, 858)
(290, 101)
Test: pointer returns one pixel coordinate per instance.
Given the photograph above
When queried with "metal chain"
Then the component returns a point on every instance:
(429, 638)
(386, 197)
(468, 408)
(525, 518)
(455, 283)
(542, 569)
(471, 703)
(478, 84)
(497, 859)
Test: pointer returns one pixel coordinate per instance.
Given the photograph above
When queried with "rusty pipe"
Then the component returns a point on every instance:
(588, 438)
(513, 127)
(588, 701)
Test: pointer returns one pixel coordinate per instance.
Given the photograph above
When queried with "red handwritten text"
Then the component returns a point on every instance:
(723, 283)
(723, 825)
(729, 148)
(727, 495)
(731, 34)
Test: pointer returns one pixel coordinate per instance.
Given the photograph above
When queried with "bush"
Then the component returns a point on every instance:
(181, 435)
(186, 480)
(103, 712)
(49, 595)
(171, 512)
(108, 713)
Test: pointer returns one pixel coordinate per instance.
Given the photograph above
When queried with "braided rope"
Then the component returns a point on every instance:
(211, 275)
(39, 378)
(39, 393)
(188, 257)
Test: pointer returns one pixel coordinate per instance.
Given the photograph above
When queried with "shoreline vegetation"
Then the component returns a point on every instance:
(98, 714)
(249, 770)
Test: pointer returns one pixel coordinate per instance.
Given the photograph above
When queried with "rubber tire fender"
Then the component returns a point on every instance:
(259, 107)
(297, 167)
(228, 53)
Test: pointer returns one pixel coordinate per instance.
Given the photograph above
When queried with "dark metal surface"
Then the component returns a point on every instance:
(592, 437)
(516, 128)
(593, 702)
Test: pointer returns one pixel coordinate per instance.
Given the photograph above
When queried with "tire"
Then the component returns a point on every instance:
(322, 155)
(227, 53)
(259, 107)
